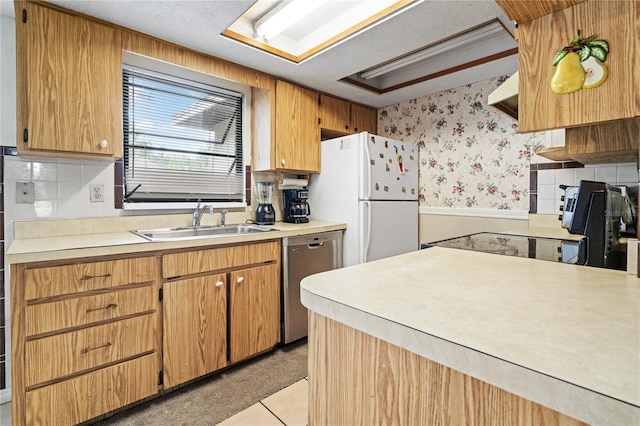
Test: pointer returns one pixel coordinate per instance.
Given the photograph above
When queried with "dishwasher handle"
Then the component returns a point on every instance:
(315, 245)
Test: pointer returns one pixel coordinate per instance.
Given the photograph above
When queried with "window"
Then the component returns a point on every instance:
(183, 138)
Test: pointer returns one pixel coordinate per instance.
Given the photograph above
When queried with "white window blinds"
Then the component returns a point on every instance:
(182, 140)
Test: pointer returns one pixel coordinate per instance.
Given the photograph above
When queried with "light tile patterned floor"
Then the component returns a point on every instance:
(286, 407)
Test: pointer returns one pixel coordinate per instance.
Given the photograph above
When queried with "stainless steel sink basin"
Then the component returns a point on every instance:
(189, 233)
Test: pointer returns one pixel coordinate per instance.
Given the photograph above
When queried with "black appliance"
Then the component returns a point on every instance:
(296, 208)
(265, 213)
(552, 249)
(604, 214)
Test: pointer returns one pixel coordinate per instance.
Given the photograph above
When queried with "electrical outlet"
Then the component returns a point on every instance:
(25, 192)
(96, 193)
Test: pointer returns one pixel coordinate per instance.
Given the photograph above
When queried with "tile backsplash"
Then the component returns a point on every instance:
(549, 181)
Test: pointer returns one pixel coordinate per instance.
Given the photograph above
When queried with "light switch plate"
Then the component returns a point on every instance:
(25, 192)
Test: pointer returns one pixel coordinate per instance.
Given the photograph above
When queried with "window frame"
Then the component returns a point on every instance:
(168, 71)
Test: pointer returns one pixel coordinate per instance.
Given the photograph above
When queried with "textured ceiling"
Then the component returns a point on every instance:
(198, 24)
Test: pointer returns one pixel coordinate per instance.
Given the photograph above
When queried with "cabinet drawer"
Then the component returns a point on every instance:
(193, 262)
(52, 316)
(66, 279)
(68, 353)
(87, 396)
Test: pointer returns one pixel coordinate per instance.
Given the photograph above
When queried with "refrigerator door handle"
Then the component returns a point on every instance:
(367, 245)
(366, 172)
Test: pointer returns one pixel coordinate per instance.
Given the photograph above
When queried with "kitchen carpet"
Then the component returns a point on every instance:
(216, 398)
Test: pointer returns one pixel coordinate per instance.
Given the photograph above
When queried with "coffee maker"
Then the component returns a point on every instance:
(296, 208)
(265, 214)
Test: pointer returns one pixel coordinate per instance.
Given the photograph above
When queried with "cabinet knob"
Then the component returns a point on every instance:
(219, 284)
(283, 162)
(104, 144)
(240, 280)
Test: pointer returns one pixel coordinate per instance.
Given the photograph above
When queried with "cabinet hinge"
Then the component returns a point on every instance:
(25, 136)
(160, 378)
(319, 100)
(319, 120)
(24, 16)
(160, 295)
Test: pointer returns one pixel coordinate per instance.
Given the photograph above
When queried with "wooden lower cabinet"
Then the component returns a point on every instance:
(213, 319)
(254, 311)
(90, 395)
(195, 328)
(91, 336)
(85, 338)
(357, 379)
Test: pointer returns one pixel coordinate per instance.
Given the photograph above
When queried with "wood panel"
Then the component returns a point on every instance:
(93, 394)
(47, 317)
(335, 114)
(523, 11)
(60, 280)
(195, 328)
(64, 354)
(254, 311)
(612, 142)
(194, 262)
(297, 131)
(364, 119)
(73, 88)
(618, 97)
(355, 378)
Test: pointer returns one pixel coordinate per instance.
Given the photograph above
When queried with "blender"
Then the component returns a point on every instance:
(265, 214)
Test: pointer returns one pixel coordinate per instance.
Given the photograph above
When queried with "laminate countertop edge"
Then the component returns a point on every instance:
(118, 243)
(362, 297)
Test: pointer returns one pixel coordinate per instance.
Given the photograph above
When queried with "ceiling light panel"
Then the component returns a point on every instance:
(299, 29)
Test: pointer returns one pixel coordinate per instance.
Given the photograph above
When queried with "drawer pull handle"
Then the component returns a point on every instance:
(108, 307)
(219, 284)
(90, 277)
(240, 280)
(86, 350)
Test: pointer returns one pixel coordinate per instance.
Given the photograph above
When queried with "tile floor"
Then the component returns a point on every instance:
(285, 407)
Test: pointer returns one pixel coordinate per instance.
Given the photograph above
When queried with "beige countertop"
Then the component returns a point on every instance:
(564, 336)
(51, 240)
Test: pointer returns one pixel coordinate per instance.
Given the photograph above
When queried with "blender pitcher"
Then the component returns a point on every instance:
(265, 214)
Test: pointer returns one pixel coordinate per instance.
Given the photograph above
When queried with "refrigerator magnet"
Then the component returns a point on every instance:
(400, 165)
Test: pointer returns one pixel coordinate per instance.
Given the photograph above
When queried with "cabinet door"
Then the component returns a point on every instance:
(195, 328)
(297, 131)
(254, 310)
(72, 84)
(363, 119)
(539, 40)
(334, 114)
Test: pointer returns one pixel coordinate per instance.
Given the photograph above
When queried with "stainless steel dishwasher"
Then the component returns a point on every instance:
(303, 256)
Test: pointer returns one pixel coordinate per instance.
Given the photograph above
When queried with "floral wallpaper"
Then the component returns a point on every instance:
(471, 155)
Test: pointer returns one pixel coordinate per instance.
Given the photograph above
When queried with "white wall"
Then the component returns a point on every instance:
(7, 81)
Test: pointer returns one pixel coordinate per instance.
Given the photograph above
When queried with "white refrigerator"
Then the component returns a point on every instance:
(370, 183)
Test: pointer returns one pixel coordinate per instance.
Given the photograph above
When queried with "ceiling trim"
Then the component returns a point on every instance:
(431, 76)
(378, 17)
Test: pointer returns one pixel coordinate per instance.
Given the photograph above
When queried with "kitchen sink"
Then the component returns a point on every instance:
(189, 233)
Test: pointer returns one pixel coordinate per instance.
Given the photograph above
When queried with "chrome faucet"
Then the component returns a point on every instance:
(197, 214)
(223, 215)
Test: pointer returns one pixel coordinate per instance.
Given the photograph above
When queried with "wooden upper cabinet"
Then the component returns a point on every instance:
(69, 85)
(523, 11)
(363, 119)
(297, 132)
(334, 114)
(341, 116)
(617, 98)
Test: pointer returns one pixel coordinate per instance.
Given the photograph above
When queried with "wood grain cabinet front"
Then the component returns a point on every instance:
(343, 117)
(69, 84)
(195, 328)
(75, 326)
(220, 306)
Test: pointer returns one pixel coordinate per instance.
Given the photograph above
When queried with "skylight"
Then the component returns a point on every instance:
(318, 25)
